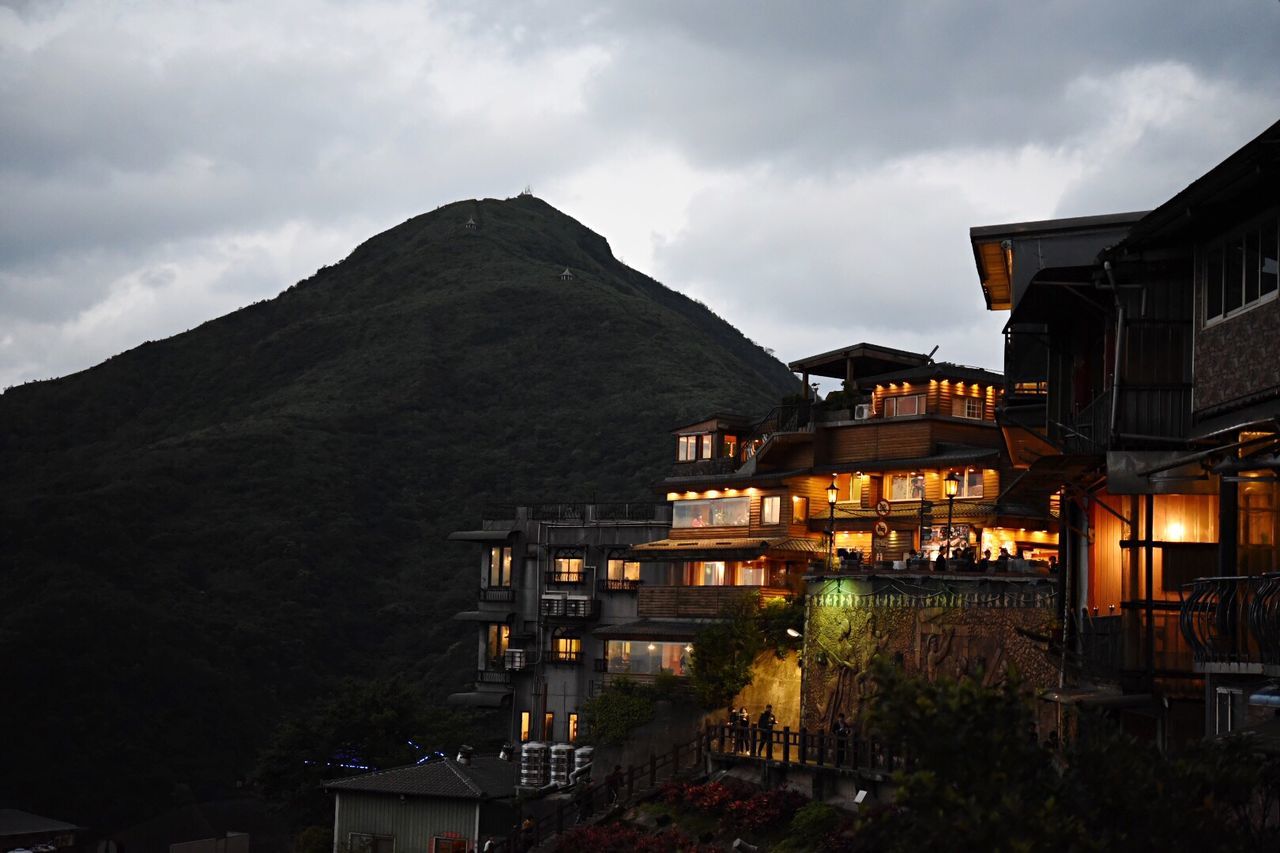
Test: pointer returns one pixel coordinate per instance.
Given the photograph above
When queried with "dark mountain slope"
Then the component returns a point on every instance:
(201, 533)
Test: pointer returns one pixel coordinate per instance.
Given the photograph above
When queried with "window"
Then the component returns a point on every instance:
(361, 842)
(623, 570)
(573, 727)
(567, 569)
(641, 657)
(967, 407)
(710, 573)
(902, 406)
(749, 575)
(906, 487)
(771, 510)
(849, 488)
(1240, 270)
(705, 447)
(718, 512)
(500, 566)
(1258, 526)
(971, 484)
(566, 649)
(524, 726)
(548, 726)
(687, 450)
(729, 446)
(799, 509)
(499, 636)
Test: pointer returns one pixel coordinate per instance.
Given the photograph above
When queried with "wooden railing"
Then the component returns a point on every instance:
(697, 601)
(869, 756)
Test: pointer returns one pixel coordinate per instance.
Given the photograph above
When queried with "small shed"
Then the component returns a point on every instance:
(567, 275)
(471, 223)
(440, 806)
(19, 829)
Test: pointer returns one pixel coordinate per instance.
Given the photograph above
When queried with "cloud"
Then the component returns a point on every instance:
(163, 163)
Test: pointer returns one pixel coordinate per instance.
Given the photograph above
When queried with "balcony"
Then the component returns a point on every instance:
(497, 593)
(568, 608)
(617, 585)
(493, 676)
(565, 578)
(667, 602)
(563, 657)
(1233, 624)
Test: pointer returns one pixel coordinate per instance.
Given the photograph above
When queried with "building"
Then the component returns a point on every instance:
(548, 575)
(440, 806)
(23, 830)
(1142, 384)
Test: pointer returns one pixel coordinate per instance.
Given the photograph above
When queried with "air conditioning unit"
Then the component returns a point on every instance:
(862, 411)
(513, 660)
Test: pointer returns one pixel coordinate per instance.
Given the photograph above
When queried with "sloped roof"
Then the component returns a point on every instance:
(486, 778)
(16, 822)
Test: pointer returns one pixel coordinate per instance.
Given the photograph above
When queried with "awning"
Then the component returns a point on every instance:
(480, 535)
(491, 616)
(653, 629)
(722, 549)
(477, 699)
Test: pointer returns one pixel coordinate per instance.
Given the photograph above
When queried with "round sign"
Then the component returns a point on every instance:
(882, 529)
(882, 508)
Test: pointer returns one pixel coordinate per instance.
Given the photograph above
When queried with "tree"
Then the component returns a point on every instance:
(612, 715)
(723, 653)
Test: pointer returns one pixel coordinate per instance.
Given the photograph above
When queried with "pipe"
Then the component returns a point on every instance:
(1115, 374)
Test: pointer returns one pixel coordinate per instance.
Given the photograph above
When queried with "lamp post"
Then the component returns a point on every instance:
(833, 492)
(951, 486)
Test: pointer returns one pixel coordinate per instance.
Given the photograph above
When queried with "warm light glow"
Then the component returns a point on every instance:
(951, 485)
(714, 493)
(689, 648)
(730, 491)
(1174, 531)
(652, 647)
(690, 494)
(753, 491)
(673, 496)
(833, 492)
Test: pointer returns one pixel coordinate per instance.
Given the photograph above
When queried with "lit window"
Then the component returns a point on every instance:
(623, 570)
(500, 566)
(688, 448)
(567, 570)
(971, 484)
(799, 509)
(566, 649)
(1241, 270)
(729, 446)
(525, 723)
(967, 407)
(573, 727)
(705, 447)
(496, 641)
(749, 575)
(904, 406)
(718, 512)
(549, 726)
(905, 487)
(771, 510)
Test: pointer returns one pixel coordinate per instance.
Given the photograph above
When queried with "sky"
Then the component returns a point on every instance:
(808, 170)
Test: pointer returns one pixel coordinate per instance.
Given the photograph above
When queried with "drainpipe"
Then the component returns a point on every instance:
(1115, 376)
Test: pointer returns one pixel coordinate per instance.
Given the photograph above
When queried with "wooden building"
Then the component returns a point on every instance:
(1142, 383)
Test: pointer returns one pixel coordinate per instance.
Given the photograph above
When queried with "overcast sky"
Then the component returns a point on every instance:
(810, 171)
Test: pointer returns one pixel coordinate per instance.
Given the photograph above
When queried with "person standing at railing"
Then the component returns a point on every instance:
(840, 731)
(765, 725)
(741, 730)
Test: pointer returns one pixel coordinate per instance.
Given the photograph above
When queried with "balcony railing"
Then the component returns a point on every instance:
(560, 656)
(497, 593)
(1233, 623)
(618, 585)
(565, 578)
(585, 512)
(493, 676)
(556, 607)
(698, 601)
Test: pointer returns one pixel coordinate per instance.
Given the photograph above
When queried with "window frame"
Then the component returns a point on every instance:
(965, 403)
(774, 501)
(888, 495)
(1215, 253)
(677, 506)
(506, 566)
(891, 405)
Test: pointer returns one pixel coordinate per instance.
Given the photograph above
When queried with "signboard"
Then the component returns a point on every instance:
(882, 507)
(881, 529)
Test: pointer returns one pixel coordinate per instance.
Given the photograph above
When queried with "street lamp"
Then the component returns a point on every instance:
(951, 487)
(833, 492)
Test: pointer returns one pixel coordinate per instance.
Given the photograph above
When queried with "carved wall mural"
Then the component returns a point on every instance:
(935, 627)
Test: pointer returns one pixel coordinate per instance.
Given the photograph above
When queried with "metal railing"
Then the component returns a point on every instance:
(497, 593)
(1233, 623)
(563, 657)
(493, 676)
(569, 608)
(618, 584)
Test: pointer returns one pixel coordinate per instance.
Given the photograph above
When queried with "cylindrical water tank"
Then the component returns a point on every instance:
(582, 757)
(533, 765)
(561, 763)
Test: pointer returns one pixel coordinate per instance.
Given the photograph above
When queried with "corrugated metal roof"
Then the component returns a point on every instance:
(486, 778)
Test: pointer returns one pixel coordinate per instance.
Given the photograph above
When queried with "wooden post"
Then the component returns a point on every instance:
(786, 744)
(804, 745)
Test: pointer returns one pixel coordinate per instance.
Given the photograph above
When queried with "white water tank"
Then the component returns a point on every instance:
(582, 757)
(561, 763)
(533, 765)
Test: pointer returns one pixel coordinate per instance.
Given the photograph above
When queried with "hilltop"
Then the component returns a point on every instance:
(201, 533)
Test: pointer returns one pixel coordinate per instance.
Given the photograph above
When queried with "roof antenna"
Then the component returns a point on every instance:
(929, 357)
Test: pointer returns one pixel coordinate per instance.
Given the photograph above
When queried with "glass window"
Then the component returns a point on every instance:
(549, 726)
(749, 575)
(705, 447)
(1213, 282)
(729, 446)
(717, 512)
(566, 648)
(771, 509)
(711, 573)
(567, 570)
(906, 487)
(496, 641)
(799, 510)
(687, 448)
(967, 407)
(623, 570)
(1251, 239)
(971, 484)
(1232, 273)
(1270, 268)
(641, 657)
(525, 723)
(573, 727)
(499, 566)
(903, 406)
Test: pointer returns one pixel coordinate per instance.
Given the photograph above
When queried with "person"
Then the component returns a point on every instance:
(841, 732)
(1053, 565)
(765, 725)
(985, 563)
(940, 564)
(582, 798)
(489, 845)
(1002, 561)
(528, 834)
(744, 727)
(613, 784)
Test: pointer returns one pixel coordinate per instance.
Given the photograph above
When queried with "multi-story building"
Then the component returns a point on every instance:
(549, 574)
(1142, 381)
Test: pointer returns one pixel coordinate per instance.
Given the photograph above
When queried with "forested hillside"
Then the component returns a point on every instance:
(206, 533)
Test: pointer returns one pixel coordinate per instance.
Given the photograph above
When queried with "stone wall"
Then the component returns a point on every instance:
(1237, 357)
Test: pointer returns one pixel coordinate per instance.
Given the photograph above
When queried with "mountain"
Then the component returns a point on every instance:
(202, 534)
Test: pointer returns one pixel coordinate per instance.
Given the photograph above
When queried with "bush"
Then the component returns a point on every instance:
(622, 838)
(617, 711)
(771, 808)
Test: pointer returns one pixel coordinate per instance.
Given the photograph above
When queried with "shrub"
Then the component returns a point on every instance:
(622, 838)
(814, 822)
(763, 810)
(617, 711)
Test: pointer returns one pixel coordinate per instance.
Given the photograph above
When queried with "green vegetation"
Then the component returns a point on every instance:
(724, 652)
(613, 714)
(982, 782)
(203, 536)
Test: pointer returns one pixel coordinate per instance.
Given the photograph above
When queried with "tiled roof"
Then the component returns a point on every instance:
(486, 778)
